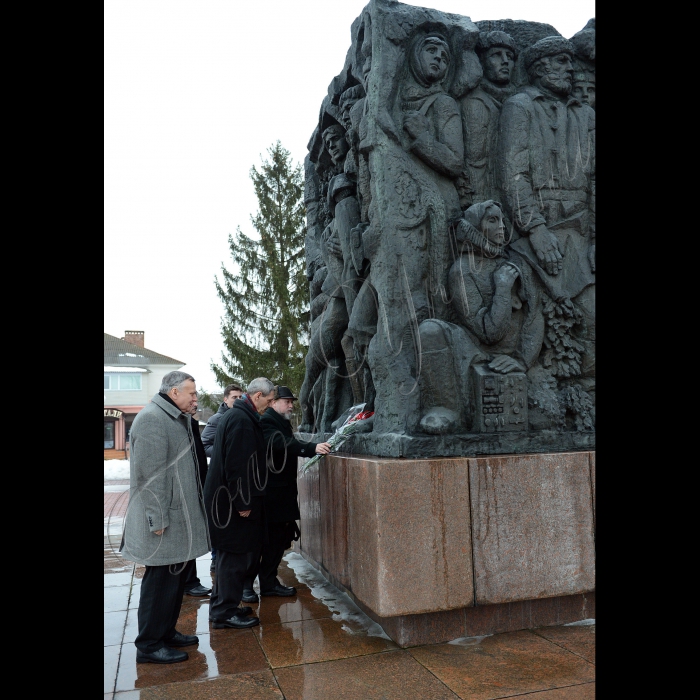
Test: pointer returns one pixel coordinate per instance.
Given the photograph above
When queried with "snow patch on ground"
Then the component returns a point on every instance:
(116, 469)
(113, 527)
(468, 641)
(339, 603)
(589, 621)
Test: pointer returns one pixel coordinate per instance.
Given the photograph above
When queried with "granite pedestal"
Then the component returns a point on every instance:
(436, 549)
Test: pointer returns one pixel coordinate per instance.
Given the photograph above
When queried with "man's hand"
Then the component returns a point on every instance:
(546, 246)
(159, 532)
(244, 513)
(415, 124)
(591, 256)
(323, 448)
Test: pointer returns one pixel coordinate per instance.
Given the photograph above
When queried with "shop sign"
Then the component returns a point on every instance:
(112, 413)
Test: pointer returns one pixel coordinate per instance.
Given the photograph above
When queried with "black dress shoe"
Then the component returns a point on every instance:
(182, 640)
(198, 591)
(165, 655)
(280, 590)
(239, 612)
(236, 622)
(249, 596)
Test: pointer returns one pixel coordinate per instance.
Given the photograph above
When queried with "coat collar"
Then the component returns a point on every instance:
(534, 93)
(246, 407)
(170, 408)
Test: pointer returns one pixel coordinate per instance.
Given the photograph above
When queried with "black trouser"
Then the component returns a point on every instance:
(279, 538)
(159, 606)
(190, 574)
(230, 573)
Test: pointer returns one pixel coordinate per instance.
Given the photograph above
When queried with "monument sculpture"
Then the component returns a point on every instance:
(450, 200)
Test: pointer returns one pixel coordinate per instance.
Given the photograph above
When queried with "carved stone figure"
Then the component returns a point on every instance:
(463, 333)
(547, 162)
(481, 110)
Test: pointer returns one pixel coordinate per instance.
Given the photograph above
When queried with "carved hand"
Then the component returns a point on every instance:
(505, 277)
(591, 256)
(334, 248)
(546, 246)
(505, 364)
(415, 124)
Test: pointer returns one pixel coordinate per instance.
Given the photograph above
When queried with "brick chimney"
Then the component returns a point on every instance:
(134, 337)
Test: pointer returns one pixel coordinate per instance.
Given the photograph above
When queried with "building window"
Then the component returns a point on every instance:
(109, 435)
(123, 382)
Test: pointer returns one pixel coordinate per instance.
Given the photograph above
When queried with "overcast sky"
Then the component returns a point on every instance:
(195, 93)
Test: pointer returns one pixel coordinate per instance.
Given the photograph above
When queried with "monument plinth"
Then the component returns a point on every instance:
(439, 549)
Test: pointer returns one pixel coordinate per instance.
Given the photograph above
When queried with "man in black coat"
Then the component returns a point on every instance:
(234, 499)
(281, 503)
(231, 393)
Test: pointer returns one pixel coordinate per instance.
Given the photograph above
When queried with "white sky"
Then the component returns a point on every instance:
(195, 93)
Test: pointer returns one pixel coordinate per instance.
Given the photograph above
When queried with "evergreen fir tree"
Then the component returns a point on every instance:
(266, 300)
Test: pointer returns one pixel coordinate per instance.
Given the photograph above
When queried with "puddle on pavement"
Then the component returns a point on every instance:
(339, 603)
(469, 641)
(581, 623)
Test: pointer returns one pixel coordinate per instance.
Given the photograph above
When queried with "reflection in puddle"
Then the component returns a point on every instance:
(339, 603)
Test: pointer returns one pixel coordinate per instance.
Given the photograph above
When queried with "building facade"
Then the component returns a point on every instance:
(132, 375)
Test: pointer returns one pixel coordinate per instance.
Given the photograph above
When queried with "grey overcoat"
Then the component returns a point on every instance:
(164, 490)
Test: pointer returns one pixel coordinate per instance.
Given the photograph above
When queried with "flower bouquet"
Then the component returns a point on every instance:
(350, 425)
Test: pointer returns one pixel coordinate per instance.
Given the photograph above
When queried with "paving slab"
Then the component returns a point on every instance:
(310, 641)
(503, 665)
(392, 675)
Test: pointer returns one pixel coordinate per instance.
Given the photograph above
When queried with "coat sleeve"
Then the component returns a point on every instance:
(443, 152)
(515, 165)
(209, 433)
(151, 471)
(277, 440)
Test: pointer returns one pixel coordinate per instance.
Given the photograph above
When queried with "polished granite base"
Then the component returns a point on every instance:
(441, 548)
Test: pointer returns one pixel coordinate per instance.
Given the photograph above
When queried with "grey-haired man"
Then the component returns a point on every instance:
(165, 524)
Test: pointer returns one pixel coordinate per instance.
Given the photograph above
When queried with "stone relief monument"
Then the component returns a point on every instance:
(450, 197)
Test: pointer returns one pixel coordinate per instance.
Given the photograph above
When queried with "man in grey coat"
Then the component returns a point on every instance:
(165, 524)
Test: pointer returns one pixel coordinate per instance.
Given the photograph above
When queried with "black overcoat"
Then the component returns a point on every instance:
(236, 482)
(281, 502)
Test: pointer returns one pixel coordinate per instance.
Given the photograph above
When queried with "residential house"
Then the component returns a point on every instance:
(132, 376)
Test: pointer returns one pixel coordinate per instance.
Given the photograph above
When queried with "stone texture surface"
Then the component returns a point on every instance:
(394, 675)
(592, 458)
(333, 480)
(503, 665)
(425, 502)
(439, 627)
(532, 526)
(310, 511)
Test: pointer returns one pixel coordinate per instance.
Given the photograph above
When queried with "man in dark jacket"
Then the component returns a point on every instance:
(231, 393)
(281, 503)
(234, 498)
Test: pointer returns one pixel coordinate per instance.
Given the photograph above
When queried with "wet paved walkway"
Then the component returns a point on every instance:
(318, 646)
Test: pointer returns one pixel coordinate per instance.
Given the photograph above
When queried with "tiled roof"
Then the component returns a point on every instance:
(119, 352)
